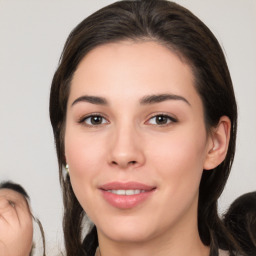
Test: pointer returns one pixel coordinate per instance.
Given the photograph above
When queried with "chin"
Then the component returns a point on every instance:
(128, 231)
(135, 236)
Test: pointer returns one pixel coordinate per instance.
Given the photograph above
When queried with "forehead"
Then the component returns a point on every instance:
(132, 68)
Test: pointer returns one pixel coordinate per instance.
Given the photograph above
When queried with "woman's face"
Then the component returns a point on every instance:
(135, 141)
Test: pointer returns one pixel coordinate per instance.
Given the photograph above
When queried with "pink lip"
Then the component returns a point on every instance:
(126, 201)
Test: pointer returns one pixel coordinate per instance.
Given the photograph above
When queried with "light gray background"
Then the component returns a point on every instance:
(32, 34)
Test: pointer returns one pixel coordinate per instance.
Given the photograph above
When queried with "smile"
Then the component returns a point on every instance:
(126, 195)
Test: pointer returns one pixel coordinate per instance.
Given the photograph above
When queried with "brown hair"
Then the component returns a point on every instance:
(178, 29)
(240, 219)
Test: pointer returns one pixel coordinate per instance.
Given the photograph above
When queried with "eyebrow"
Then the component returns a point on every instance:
(152, 99)
(91, 99)
(149, 99)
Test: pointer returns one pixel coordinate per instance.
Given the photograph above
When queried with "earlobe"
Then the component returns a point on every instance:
(219, 142)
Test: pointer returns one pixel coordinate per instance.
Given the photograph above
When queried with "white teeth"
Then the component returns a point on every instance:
(131, 192)
(128, 192)
(118, 192)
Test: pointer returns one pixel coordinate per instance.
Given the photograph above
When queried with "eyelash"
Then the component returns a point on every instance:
(169, 118)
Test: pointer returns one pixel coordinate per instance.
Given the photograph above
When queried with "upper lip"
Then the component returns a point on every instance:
(126, 186)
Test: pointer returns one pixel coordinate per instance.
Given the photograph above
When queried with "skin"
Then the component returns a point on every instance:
(129, 145)
(16, 226)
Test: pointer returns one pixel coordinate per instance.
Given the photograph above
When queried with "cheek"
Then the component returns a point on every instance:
(179, 165)
(85, 157)
(180, 148)
(179, 160)
(82, 153)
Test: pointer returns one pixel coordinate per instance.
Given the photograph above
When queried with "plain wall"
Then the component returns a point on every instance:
(32, 35)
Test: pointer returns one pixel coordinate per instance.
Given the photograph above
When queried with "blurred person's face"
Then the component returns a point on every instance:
(16, 226)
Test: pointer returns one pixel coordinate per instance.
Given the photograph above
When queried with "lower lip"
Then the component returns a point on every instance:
(126, 202)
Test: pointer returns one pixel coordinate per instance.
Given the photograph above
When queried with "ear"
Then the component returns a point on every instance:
(218, 144)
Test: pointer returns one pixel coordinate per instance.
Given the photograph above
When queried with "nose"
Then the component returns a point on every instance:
(126, 148)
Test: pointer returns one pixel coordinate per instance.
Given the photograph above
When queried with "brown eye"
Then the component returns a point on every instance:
(161, 120)
(95, 120)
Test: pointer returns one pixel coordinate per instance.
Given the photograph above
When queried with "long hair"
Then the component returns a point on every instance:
(184, 34)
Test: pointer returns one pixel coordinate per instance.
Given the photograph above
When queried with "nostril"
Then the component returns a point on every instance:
(123, 164)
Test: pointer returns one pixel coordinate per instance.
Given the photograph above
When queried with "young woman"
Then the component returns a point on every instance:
(144, 118)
